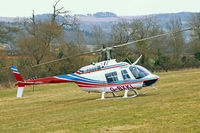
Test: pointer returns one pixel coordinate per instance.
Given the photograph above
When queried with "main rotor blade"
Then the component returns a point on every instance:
(148, 38)
(64, 58)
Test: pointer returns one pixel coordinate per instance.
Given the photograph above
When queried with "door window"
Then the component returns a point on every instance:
(111, 77)
(125, 75)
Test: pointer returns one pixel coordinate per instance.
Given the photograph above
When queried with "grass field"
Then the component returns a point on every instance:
(60, 108)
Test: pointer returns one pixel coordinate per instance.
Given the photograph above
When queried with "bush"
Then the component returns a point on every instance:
(5, 73)
(197, 55)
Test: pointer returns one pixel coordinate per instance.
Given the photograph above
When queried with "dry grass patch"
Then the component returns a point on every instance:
(61, 108)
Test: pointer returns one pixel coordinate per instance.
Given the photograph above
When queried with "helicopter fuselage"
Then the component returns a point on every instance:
(105, 76)
(110, 76)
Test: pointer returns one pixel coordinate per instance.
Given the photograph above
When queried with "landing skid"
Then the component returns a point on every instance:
(124, 96)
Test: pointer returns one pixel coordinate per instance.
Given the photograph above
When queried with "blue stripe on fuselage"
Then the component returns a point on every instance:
(81, 79)
(76, 77)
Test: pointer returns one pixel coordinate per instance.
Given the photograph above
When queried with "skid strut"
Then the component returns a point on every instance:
(114, 95)
(124, 96)
(102, 95)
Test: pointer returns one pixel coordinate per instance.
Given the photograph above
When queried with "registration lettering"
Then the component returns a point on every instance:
(121, 88)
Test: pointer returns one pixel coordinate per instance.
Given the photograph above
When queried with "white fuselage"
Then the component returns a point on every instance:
(110, 76)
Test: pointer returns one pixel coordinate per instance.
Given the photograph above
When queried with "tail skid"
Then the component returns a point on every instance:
(20, 92)
(20, 81)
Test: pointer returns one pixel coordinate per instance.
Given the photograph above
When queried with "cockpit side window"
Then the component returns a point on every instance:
(138, 72)
(125, 75)
(111, 77)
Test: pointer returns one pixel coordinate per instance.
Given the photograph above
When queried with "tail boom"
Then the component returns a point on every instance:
(47, 80)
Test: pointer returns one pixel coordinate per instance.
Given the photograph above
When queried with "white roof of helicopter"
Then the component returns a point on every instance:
(102, 63)
(101, 66)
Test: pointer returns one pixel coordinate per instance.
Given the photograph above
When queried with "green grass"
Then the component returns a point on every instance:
(173, 108)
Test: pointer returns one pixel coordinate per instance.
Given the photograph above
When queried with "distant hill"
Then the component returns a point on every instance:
(106, 20)
(163, 18)
(107, 16)
(104, 14)
(98, 15)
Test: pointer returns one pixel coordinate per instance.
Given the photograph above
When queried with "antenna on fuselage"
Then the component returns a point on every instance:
(129, 61)
(137, 60)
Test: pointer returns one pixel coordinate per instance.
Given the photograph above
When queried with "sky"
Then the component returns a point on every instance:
(24, 8)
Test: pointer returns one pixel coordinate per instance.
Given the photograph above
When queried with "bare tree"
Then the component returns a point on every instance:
(195, 36)
(37, 44)
(40, 41)
(98, 35)
(121, 32)
(77, 36)
(99, 40)
(57, 11)
(37, 37)
(176, 40)
(7, 33)
(120, 35)
(4, 69)
(75, 63)
(62, 16)
(142, 28)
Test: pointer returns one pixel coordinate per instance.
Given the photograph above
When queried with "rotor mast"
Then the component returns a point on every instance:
(108, 54)
(107, 50)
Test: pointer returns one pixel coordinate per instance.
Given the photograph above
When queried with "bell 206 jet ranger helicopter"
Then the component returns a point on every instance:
(106, 76)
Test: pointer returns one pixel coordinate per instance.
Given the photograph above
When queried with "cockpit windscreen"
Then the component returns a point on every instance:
(138, 71)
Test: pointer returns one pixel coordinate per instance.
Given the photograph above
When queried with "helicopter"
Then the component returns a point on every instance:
(107, 76)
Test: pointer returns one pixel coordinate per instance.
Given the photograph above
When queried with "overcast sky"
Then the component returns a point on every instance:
(23, 8)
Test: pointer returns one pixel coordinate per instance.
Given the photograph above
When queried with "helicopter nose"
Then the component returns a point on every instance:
(152, 81)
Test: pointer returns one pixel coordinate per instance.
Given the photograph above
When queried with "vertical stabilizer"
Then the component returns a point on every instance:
(16, 73)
